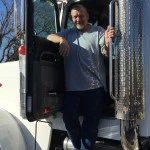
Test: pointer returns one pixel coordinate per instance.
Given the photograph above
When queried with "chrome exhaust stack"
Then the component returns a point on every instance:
(126, 63)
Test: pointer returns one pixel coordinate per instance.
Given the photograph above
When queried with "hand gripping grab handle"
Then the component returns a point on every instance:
(111, 51)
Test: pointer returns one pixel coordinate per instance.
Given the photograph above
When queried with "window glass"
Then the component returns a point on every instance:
(44, 18)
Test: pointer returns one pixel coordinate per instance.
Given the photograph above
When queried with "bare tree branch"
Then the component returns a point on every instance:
(7, 36)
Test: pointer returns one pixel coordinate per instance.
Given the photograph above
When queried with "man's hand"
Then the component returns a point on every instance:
(109, 33)
(64, 47)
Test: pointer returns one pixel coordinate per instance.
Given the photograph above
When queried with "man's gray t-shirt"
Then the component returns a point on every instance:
(84, 66)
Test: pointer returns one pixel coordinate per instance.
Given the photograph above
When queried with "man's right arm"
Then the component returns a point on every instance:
(64, 46)
(55, 38)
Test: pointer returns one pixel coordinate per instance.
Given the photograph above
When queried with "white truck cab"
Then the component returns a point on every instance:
(125, 124)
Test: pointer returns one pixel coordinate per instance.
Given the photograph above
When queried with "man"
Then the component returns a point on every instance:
(83, 49)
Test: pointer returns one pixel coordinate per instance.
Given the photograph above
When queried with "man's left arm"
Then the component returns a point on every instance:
(109, 33)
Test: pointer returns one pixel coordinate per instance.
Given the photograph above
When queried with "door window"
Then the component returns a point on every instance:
(44, 18)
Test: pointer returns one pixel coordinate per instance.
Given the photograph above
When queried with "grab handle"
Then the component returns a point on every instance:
(111, 51)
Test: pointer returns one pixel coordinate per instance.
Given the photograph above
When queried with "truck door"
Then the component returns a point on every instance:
(42, 76)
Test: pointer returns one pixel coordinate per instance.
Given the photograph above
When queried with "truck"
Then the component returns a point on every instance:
(125, 121)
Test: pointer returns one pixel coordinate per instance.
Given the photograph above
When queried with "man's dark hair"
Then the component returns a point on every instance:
(78, 6)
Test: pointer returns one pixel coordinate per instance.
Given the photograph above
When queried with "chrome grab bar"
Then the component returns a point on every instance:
(111, 50)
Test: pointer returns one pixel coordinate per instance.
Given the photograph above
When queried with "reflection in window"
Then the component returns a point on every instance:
(44, 18)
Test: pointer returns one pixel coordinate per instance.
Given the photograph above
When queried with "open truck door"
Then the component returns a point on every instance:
(41, 66)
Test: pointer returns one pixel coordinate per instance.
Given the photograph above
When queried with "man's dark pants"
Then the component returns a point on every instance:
(83, 136)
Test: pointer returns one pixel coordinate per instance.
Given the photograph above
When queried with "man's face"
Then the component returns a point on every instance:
(80, 17)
